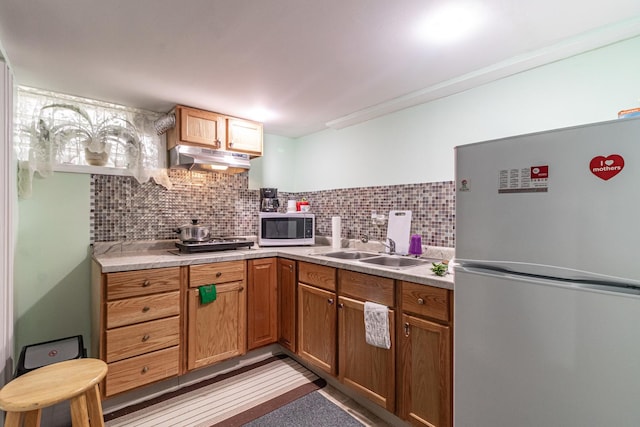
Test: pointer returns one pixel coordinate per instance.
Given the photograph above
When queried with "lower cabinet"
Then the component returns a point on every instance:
(317, 316)
(139, 336)
(154, 324)
(145, 369)
(287, 303)
(262, 302)
(425, 365)
(367, 369)
(216, 330)
(317, 327)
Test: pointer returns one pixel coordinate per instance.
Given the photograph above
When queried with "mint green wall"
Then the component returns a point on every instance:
(415, 145)
(52, 266)
(275, 168)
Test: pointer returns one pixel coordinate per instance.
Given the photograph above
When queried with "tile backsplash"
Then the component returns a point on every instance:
(124, 210)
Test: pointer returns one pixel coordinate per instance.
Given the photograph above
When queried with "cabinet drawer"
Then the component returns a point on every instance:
(146, 337)
(317, 275)
(218, 272)
(426, 301)
(366, 287)
(141, 309)
(138, 371)
(128, 284)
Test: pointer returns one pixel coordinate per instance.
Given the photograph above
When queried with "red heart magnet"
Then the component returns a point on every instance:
(606, 167)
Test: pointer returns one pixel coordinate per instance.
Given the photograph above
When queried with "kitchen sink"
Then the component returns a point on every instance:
(390, 261)
(350, 255)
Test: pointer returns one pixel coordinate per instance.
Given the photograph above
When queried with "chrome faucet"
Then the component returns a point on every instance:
(391, 246)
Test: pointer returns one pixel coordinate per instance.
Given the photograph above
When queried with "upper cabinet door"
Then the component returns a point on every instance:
(244, 136)
(202, 127)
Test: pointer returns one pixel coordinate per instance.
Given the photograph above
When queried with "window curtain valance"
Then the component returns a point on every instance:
(56, 132)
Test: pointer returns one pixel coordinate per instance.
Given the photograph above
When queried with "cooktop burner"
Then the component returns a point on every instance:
(214, 244)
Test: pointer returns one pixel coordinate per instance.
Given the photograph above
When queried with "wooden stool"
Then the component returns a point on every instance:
(77, 380)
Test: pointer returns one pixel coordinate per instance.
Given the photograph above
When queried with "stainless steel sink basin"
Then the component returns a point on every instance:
(388, 261)
(351, 255)
(395, 262)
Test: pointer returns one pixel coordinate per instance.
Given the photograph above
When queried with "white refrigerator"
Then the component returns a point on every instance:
(547, 281)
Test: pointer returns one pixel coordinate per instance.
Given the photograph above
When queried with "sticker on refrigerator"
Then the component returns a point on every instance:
(532, 179)
(606, 167)
(464, 185)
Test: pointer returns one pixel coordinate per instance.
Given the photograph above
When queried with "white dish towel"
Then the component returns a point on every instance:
(376, 325)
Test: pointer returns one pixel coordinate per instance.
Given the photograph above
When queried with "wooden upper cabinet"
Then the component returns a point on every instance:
(197, 127)
(214, 130)
(244, 136)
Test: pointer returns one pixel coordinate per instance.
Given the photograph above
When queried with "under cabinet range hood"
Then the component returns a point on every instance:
(206, 159)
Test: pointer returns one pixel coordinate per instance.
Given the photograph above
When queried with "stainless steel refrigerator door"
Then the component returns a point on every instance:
(533, 352)
(582, 218)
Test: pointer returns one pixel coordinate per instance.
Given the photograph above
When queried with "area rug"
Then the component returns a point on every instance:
(312, 410)
(230, 399)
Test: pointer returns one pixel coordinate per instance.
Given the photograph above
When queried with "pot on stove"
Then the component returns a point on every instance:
(193, 232)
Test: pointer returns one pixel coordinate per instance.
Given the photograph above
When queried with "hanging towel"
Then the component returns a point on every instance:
(376, 325)
(207, 293)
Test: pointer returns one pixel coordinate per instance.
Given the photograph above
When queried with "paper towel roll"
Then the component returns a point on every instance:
(336, 232)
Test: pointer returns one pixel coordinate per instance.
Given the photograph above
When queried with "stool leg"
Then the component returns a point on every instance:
(94, 405)
(32, 418)
(13, 419)
(79, 414)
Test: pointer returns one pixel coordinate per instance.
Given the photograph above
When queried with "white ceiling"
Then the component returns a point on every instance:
(313, 63)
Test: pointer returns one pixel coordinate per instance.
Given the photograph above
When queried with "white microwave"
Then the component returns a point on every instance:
(286, 229)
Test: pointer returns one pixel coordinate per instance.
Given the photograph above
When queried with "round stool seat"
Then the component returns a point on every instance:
(76, 380)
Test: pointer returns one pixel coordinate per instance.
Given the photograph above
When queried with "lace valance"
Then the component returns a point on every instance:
(56, 132)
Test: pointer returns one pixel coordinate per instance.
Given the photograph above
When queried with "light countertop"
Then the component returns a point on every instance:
(127, 256)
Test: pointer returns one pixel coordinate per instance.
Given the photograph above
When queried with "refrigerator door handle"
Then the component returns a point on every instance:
(545, 271)
(586, 285)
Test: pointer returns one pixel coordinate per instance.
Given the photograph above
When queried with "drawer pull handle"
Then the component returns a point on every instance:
(340, 305)
(218, 274)
(145, 309)
(291, 268)
(145, 369)
(145, 338)
(420, 301)
(146, 283)
(330, 300)
(406, 329)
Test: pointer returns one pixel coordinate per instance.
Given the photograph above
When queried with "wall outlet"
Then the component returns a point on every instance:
(378, 219)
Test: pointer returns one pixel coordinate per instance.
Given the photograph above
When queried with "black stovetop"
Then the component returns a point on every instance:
(213, 245)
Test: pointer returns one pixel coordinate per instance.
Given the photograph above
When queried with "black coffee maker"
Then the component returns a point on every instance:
(269, 200)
